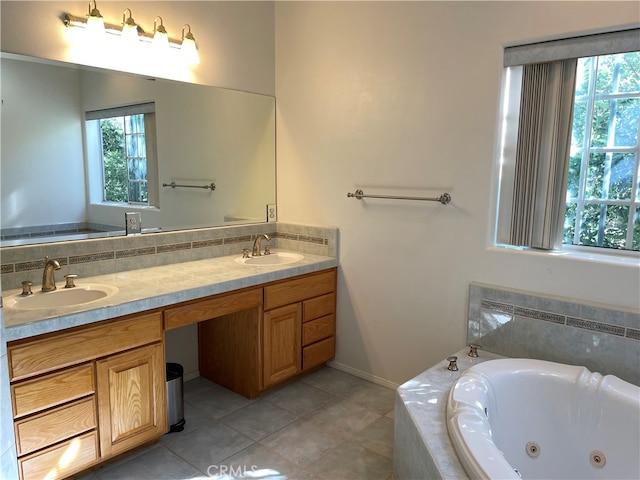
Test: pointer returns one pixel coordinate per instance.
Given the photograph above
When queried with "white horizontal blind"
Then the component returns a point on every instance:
(576, 47)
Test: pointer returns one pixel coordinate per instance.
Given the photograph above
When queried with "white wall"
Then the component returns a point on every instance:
(36, 189)
(403, 98)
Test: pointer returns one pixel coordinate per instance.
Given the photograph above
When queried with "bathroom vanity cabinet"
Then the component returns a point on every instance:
(313, 316)
(277, 332)
(87, 394)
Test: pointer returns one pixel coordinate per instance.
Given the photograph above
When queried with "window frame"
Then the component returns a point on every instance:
(95, 154)
(515, 57)
(591, 97)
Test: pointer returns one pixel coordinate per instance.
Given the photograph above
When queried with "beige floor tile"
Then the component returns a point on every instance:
(351, 462)
(342, 417)
(258, 419)
(302, 442)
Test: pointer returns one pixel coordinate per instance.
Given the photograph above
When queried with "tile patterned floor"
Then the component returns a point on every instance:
(326, 425)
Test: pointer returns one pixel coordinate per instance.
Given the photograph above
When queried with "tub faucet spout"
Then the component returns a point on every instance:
(48, 279)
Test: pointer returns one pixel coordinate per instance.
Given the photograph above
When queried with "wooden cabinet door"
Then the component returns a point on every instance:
(131, 398)
(281, 343)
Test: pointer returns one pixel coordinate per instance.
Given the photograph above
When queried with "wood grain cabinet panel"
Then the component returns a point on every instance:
(318, 353)
(131, 398)
(65, 349)
(229, 351)
(318, 329)
(207, 309)
(53, 426)
(281, 341)
(51, 390)
(61, 460)
(298, 289)
(318, 307)
(83, 395)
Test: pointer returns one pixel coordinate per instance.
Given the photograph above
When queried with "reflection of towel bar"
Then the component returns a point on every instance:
(443, 199)
(211, 186)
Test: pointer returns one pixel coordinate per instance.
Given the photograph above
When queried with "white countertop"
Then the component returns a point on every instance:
(149, 288)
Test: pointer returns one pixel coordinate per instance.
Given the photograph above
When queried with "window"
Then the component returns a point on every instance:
(125, 146)
(603, 194)
(570, 166)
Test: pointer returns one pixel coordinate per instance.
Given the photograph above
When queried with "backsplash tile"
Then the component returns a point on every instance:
(515, 323)
(117, 254)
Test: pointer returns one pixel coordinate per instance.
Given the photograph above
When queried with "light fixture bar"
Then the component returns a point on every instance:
(116, 29)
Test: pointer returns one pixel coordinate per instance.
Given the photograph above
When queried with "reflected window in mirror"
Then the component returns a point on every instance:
(122, 160)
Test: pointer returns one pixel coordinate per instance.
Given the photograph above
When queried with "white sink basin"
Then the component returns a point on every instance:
(275, 258)
(62, 297)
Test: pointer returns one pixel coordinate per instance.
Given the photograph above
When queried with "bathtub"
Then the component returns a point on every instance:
(520, 418)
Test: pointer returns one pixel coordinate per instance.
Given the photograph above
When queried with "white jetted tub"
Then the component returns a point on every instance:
(521, 418)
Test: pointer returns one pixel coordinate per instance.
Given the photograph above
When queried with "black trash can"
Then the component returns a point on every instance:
(175, 397)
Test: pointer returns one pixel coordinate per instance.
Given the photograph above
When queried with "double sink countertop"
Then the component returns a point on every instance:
(154, 287)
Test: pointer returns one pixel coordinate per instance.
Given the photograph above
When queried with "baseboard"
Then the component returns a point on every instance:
(190, 376)
(364, 375)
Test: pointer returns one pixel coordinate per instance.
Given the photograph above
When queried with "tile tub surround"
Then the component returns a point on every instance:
(515, 323)
(117, 254)
(421, 445)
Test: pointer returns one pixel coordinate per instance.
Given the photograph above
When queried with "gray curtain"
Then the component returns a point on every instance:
(542, 154)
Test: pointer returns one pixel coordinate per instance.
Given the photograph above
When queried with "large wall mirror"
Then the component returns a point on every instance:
(51, 183)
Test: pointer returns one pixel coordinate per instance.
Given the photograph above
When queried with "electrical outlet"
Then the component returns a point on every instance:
(133, 225)
(272, 212)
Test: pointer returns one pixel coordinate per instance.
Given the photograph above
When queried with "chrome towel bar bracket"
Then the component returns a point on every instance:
(211, 186)
(443, 199)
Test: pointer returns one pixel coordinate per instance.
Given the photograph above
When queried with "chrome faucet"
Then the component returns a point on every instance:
(256, 244)
(48, 279)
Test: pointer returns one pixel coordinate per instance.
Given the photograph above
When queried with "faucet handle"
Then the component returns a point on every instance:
(473, 349)
(453, 365)
(245, 253)
(70, 280)
(26, 288)
(267, 250)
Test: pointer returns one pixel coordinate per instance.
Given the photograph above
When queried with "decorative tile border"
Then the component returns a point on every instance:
(496, 307)
(135, 252)
(561, 319)
(241, 234)
(515, 323)
(94, 257)
(538, 315)
(64, 229)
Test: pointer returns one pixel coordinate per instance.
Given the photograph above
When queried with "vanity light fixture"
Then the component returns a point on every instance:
(189, 45)
(95, 22)
(129, 30)
(160, 35)
(129, 27)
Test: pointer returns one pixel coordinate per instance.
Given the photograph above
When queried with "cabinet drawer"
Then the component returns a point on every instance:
(298, 289)
(318, 353)
(65, 349)
(318, 307)
(47, 464)
(54, 389)
(214, 307)
(318, 329)
(54, 426)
